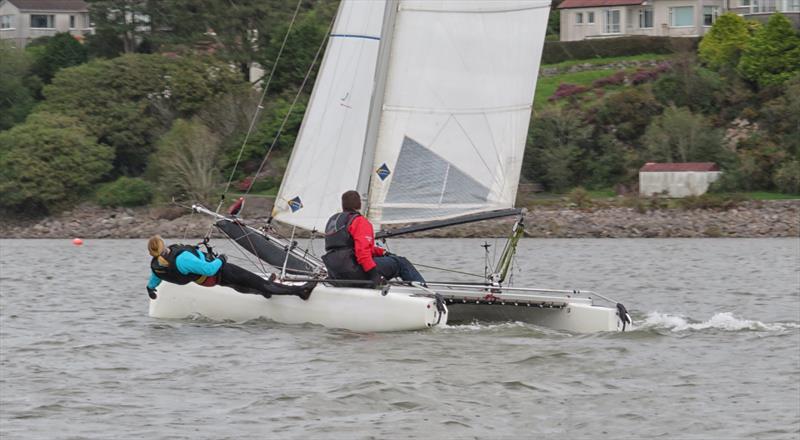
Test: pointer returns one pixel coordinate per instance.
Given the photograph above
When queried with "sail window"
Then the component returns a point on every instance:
(423, 177)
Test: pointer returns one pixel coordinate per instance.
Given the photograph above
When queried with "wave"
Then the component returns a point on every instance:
(720, 321)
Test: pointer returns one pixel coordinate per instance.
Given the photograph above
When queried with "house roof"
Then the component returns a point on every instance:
(574, 4)
(678, 167)
(51, 5)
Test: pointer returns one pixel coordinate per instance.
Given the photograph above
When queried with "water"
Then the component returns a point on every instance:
(716, 353)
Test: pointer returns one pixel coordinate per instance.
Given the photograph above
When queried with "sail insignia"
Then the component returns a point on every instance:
(295, 204)
(383, 172)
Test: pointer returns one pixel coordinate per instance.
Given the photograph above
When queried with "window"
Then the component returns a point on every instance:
(612, 21)
(6, 21)
(72, 22)
(681, 16)
(43, 21)
(579, 18)
(710, 14)
(590, 17)
(744, 2)
(646, 18)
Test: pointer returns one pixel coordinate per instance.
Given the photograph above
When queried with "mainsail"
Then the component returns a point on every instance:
(451, 93)
(327, 155)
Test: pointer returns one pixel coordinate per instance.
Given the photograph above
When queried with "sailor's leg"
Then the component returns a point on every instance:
(407, 270)
(387, 266)
(244, 281)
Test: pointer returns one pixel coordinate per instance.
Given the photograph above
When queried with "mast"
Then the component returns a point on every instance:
(374, 118)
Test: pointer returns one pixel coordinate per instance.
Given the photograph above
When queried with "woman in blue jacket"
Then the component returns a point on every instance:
(183, 264)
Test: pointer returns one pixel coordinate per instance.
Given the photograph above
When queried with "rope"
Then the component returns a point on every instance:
(448, 270)
(291, 107)
(260, 104)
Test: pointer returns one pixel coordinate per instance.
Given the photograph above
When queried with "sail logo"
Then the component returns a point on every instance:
(295, 204)
(383, 172)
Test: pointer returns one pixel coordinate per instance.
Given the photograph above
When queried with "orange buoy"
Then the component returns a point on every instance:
(77, 241)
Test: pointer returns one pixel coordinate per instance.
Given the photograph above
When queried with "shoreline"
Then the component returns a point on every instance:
(752, 219)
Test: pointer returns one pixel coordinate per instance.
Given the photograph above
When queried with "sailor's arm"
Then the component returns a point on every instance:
(187, 263)
(363, 239)
(154, 281)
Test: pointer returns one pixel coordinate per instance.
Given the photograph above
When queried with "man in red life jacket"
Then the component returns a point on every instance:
(351, 253)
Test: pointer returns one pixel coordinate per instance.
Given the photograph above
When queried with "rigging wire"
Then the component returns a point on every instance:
(260, 106)
(448, 270)
(291, 107)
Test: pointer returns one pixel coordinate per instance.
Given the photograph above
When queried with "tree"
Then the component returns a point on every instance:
(773, 55)
(555, 144)
(185, 163)
(129, 101)
(16, 100)
(678, 135)
(48, 162)
(689, 85)
(58, 52)
(723, 44)
(628, 112)
(127, 20)
(781, 117)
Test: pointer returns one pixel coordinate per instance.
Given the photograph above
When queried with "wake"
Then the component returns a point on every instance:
(721, 321)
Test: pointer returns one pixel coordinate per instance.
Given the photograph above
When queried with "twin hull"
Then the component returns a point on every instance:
(366, 310)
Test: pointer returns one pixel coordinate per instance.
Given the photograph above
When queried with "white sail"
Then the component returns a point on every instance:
(327, 155)
(456, 108)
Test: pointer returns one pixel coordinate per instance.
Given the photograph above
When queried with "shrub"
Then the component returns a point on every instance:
(553, 151)
(125, 191)
(722, 46)
(60, 51)
(558, 51)
(48, 162)
(787, 177)
(685, 85)
(616, 79)
(566, 90)
(710, 201)
(185, 163)
(628, 112)
(678, 135)
(580, 197)
(773, 54)
(644, 75)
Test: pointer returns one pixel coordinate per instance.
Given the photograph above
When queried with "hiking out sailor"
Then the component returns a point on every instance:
(351, 252)
(183, 264)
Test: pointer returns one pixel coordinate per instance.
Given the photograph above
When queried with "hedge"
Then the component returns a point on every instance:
(558, 51)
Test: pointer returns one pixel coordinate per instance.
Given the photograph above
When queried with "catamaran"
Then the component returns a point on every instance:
(423, 107)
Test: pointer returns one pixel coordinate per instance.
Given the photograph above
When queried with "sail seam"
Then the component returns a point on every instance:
(464, 111)
(365, 37)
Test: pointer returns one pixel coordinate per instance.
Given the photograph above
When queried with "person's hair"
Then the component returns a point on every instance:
(155, 246)
(351, 201)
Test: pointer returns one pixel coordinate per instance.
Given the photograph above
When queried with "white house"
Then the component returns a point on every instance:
(677, 179)
(24, 20)
(585, 19)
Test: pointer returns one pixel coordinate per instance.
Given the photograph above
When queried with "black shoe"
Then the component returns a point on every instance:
(266, 295)
(306, 292)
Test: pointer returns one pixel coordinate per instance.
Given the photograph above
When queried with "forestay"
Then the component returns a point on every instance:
(327, 155)
(456, 109)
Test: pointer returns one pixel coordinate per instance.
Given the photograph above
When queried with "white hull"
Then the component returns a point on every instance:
(366, 310)
(361, 310)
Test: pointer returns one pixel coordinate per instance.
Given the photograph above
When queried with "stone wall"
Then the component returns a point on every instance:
(750, 219)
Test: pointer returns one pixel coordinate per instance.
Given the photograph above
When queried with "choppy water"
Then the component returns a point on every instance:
(716, 353)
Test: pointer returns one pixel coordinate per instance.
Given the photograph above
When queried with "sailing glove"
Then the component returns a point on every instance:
(151, 293)
(223, 257)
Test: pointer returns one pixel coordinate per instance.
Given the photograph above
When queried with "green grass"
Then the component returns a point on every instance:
(763, 195)
(545, 87)
(610, 60)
